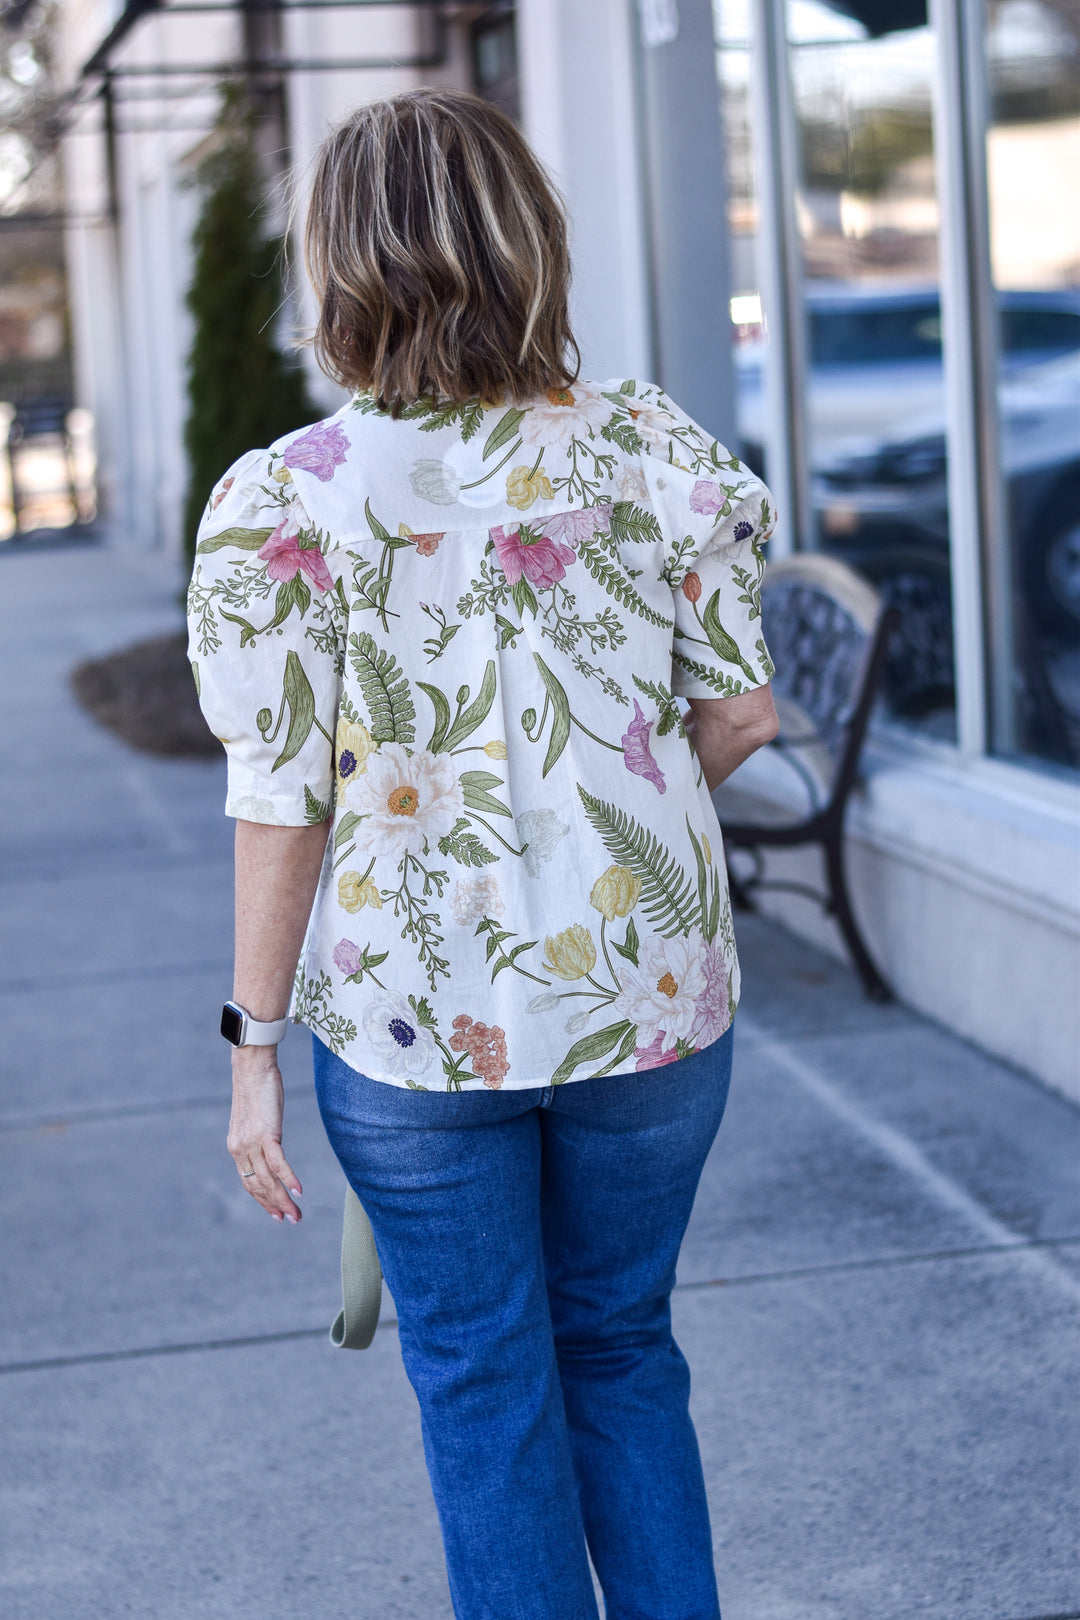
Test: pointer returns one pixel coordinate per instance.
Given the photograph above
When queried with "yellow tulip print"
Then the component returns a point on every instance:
(571, 954)
(353, 891)
(525, 485)
(615, 892)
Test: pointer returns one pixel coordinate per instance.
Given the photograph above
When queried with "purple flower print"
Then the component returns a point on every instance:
(743, 531)
(711, 1012)
(285, 558)
(706, 496)
(543, 562)
(576, 527)
(653, 1056)
(320, 451)
(347, 956)
(636, 756)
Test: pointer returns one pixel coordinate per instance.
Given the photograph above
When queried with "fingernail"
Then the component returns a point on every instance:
(294, 1220)
(277, 1215)
(297, 1192)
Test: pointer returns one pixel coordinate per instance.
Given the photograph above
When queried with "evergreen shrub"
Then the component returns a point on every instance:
(243, 392)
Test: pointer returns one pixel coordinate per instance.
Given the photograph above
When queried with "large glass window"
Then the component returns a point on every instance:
(868, 222)
(1033, 175)
(866, 215)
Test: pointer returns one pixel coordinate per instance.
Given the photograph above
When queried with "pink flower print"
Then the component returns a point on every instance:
(653, 1056)
(285, 557)
(711, 1013)
(743, 531)
(347, 956)
(320, 451)
(226, 485)
(636, 755)
(543, 562)
(576, 527)
(706, 496)
(427, 544)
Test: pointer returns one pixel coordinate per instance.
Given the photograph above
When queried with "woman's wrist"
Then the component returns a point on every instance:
(254, 1060)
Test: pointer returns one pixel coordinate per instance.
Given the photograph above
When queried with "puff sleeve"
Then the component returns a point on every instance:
(716, 517)
(266, 625)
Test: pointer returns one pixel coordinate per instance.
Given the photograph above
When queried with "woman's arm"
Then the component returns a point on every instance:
(277, 872)
(726, 731)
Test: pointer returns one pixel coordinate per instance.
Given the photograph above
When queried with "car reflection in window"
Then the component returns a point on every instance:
(879, 471)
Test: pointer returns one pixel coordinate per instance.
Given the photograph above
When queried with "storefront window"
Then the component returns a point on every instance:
(731, 19)
(1033, 170)
(867, 222)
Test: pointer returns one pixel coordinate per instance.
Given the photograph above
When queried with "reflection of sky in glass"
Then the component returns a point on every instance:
(1026, 30)
(894, 70)
(832, 49)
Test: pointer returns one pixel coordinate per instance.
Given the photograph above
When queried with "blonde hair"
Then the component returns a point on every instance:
(437, 247)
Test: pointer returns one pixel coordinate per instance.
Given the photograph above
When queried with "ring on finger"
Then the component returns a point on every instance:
(247, 1173)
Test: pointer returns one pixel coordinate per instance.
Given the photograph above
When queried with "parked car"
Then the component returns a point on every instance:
(875, 358)
(887, 490)
(879, 482)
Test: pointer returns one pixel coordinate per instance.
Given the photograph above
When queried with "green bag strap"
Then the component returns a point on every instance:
(361, 1280)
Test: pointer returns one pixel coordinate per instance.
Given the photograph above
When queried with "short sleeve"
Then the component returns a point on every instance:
(266, 618)
(716, 517)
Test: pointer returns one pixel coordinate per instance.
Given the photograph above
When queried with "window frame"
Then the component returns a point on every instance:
(979, 541)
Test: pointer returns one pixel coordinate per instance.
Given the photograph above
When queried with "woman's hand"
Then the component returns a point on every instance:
(726, 731)
(277, 872)
(254, 1138)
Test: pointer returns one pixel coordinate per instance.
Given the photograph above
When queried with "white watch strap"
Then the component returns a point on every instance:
(256, 1034)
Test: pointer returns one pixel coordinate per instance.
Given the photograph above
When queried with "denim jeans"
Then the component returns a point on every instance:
(529, 1239)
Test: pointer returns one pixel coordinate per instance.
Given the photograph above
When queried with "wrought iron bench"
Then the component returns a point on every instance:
(827, 631)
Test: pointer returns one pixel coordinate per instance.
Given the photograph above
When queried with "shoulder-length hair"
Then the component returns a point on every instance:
(437, 247)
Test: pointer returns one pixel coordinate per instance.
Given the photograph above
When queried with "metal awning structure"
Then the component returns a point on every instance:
(102, 66)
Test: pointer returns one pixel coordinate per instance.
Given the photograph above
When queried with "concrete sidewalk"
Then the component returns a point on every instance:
(878, 1294)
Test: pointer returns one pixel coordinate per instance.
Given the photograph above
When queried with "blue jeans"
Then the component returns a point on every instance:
(529, 1239)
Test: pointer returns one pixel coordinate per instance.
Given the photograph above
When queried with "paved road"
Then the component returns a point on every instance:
(878, 1293)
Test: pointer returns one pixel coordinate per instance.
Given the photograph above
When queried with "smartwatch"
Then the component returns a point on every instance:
(240, 1029)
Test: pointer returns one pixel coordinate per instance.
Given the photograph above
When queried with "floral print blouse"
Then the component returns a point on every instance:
(463, 634)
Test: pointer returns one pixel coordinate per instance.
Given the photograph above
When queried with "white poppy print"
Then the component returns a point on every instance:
(661, 993)
(408, 801)
(564, 414)
(404, 1046)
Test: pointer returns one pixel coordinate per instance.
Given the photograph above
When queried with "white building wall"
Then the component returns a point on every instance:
(579, 109)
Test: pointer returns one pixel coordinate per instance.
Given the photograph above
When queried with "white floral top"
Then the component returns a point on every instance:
(463, 634)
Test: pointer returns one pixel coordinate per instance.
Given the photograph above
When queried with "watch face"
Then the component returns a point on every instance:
(232, 1023)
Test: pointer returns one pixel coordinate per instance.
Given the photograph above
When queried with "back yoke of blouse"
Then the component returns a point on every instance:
(463, 634)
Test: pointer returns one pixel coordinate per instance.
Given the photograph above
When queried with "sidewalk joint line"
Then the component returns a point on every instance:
(144, 860)
(117, 975)
(90, 1116)
(908, 1157)
(923, 1258)
(147, 1352)
(1073, 1614)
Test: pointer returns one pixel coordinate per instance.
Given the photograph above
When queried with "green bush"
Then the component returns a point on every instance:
(243, 392)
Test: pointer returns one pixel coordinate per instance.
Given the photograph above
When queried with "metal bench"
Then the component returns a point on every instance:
(827, 631)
